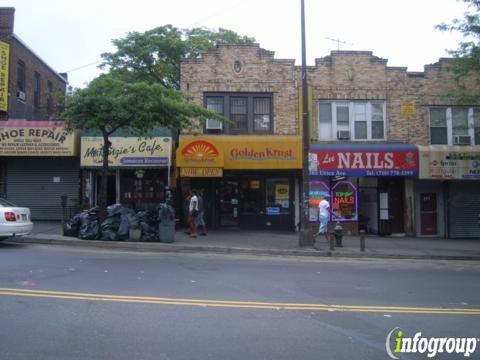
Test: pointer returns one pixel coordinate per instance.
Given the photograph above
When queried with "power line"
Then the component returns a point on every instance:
(83, 66)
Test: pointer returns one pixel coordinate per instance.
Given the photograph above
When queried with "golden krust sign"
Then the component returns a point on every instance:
(37, 138)
(4, 64)
(237, 152)
(127, 151)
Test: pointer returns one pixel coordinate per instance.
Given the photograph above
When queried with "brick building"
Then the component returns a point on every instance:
(393, 151)
(38, 159)
(248, 167)
(396, 141)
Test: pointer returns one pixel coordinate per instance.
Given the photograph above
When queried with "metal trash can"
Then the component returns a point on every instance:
(166, 230)
(166, 224)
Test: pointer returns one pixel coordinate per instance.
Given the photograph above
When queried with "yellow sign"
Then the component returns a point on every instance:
(281, 191)
(240, 152)
(408, 109)
(201, 172)
(36, 138)
(127, 151)
(4, 65)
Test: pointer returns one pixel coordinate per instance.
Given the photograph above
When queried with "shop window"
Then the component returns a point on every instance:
(142, 189)
(454, 125)
(342, 196)
(351, 120)
(318, 190)
(344, 202)
(252, 201)
(248, 113)
(277, 196)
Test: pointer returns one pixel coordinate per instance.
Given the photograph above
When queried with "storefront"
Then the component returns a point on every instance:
(448, 192)
(369, 185)
(249, 182)
(38, 163)
(139, 170)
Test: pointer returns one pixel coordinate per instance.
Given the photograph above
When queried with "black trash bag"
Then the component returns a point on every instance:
(148, 223)
(115, 209)
(128, 222)
(149, 232)
(90, 231)
(111, 223)
(89, 225)
(72, 226)
(109, 235)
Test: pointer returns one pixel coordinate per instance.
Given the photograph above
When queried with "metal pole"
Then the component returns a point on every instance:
(305, 235)
(362, 240)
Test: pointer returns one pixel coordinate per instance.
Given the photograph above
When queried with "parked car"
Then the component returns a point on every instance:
(14, 220)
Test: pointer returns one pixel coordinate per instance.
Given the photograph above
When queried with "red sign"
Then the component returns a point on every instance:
(363, 160)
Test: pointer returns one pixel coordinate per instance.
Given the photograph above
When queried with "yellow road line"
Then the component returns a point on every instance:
(236, 304)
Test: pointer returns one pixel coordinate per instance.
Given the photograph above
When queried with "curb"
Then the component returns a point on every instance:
(177, 248)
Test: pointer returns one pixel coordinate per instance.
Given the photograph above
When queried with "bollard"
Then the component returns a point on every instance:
(332, 240)
(362, 240)
(338, 232)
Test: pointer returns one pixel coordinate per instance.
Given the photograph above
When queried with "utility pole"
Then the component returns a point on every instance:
(305, 235)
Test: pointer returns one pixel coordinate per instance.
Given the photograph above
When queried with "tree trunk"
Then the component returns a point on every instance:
(104, 181)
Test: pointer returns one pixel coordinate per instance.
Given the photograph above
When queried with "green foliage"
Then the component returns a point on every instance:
(109, 103)
(466, 58)
(155, 55)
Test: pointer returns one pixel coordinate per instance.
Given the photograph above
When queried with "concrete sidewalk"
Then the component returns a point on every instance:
(274, 243)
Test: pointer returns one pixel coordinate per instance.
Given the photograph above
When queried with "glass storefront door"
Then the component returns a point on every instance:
(229, 202)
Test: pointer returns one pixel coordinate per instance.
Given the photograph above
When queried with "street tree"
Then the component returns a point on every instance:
(155, 55)
(466, 58)
(110, 103)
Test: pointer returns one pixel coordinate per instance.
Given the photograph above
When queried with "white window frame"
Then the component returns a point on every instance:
(471, 124)
(351, 118)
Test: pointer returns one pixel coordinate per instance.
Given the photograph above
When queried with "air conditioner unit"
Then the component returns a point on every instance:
(21, 95)
(461, 140)
(213, 124)
(343, 135)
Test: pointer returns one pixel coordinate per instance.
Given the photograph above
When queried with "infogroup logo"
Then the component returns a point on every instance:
(397, 343)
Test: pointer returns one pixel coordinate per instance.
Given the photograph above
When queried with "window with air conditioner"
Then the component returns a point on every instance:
(351, 120)
(458, 125)
(248, 113)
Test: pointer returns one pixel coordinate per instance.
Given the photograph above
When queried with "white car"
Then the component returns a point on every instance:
(14, 220)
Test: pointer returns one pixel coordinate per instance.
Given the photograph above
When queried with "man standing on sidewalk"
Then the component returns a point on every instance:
(201, 210)
(324, 215)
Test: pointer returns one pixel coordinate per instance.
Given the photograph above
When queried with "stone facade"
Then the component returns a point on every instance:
(245, 68)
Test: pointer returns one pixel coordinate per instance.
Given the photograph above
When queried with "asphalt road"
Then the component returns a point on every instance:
(64, 303)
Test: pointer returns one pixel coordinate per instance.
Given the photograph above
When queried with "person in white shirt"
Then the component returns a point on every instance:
(193, 213)
(324, 216)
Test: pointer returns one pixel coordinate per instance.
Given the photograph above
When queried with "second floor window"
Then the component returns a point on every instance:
(454, 125)
(351, 120)
(21, 76)
(36, 93)
(49, 98)
(248, 113)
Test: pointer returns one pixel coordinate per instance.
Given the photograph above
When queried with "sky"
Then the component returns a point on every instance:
(70, 35)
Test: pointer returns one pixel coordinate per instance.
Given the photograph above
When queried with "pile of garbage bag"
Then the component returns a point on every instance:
(118, 223)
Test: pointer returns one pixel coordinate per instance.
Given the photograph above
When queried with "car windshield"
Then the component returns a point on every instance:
(5, 202)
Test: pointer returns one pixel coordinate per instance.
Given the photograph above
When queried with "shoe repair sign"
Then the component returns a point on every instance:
(127, 151)
(37, 138)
